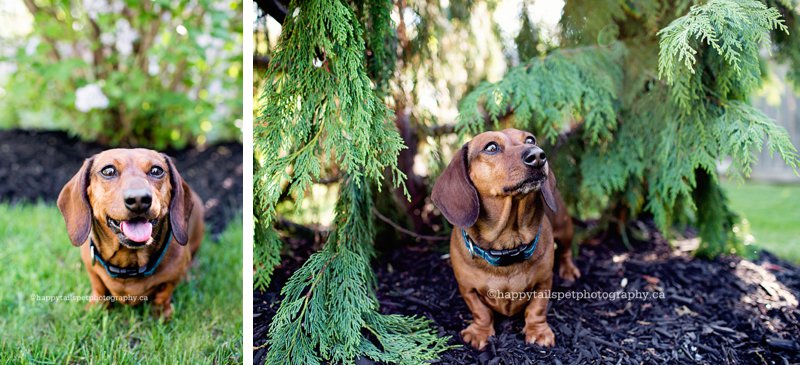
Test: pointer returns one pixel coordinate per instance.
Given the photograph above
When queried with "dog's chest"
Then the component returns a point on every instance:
(507, 295)
(132, 289)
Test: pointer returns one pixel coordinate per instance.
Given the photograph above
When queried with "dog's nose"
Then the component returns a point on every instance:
(138, 200)
(534, 157)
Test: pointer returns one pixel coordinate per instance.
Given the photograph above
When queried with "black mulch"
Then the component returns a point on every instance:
(725, 311)
(34, 166)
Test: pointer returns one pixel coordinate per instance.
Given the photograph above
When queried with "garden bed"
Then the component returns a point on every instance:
(723, 311)
(36, 165)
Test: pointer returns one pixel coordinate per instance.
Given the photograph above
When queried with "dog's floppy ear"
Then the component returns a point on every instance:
(180, 207)
(454, 194)
(549, 192)
(73, 202)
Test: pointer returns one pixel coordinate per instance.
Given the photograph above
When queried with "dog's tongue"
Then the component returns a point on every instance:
(137, 231)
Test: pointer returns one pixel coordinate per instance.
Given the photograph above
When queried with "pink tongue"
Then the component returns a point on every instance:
(138, 231)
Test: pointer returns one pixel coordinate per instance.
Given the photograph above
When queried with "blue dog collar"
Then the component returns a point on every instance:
(130, 272)
(504, 257)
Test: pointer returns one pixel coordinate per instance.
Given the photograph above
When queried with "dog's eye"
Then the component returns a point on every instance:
(530, 140)
(156, 171)
(109, 171)
(491, 148)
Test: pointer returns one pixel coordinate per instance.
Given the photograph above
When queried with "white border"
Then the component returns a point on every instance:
(247, 193)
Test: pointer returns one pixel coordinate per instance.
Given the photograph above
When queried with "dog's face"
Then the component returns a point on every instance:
(506, 163)
(493, 164)
(130, 193)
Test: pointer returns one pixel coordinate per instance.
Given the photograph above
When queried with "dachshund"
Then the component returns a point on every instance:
(123, 208)
(500, 195)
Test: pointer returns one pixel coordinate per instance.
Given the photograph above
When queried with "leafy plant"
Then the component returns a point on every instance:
(319, 108)
(151, 73)
(644, 144)
(638, 103)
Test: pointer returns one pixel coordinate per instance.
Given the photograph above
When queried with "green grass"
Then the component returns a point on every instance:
(36, 258)
(773, 214)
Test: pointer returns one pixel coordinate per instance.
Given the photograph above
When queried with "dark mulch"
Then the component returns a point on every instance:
(34, 166)
(724, 311)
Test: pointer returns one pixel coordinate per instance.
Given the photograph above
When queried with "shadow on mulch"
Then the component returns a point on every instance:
(723, 311)
(34, 166)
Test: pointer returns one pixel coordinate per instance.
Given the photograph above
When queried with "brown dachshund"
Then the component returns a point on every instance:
(494, 192)
(124, 207)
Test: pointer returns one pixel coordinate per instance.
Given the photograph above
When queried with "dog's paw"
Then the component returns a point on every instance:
(163, 311)
(477, 336)
(96, 301)
(540, 334)
(95, 304)
(567, 271)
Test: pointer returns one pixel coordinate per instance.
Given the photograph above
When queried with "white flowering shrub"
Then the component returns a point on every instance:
(155, 73)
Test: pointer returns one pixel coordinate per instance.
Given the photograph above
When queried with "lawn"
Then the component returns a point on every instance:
(36, 258)
(773, 213)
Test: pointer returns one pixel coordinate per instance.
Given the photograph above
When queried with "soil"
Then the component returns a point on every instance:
(723, 311)
(34, 166)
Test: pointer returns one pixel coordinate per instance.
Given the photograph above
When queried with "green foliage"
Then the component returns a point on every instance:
(266, 255)
(734, 32)
(163, 74)
(743, 130)
(319, 108)
(715, 218)
(329, 302)
(638, 143)
(381, 40)
(528, 38)
(318, 101)
(787, 44)
(585, 22)
(546, 94)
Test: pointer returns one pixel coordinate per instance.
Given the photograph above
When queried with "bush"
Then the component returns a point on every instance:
(152, 73)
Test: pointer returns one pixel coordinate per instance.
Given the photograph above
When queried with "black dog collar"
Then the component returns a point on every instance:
(130, 272)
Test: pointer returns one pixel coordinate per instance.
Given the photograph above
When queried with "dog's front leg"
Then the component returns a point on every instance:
(162, 303)
(536, 328)
(99, 290)
(482, 327)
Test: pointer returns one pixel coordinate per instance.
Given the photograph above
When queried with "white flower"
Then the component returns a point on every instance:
(96, 7)
(7, 68)
(65, 49)
(152, 66)
(117, 6)
(90, 97)
(215, 88)
(220, 6)
(32, 45)
(204, 40)
(125, 37)
(107, 39)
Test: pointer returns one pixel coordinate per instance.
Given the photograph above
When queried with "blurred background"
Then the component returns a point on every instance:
(151, 73)
(447, 48)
